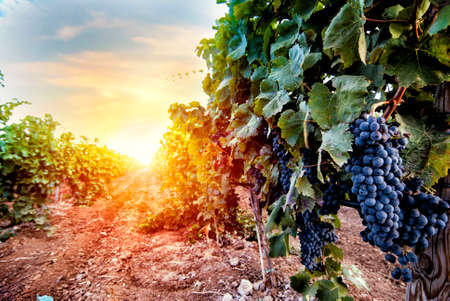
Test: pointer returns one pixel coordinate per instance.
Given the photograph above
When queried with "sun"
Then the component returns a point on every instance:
(139, 145)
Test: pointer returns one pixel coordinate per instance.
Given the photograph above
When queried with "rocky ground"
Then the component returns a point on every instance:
(97, 253)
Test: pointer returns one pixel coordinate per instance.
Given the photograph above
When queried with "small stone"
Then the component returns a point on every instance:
(268, 298)
(245, 288)
(258, 285)
(227, 297)
(79, 277)
(234, 284)
(234, 261)
(239, 245)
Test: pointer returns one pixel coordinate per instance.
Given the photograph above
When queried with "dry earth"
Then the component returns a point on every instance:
(97, 253)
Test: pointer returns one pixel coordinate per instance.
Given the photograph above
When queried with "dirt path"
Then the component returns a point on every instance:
(97, 253)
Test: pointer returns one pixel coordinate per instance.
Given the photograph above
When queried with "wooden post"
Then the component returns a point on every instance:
(431, 275)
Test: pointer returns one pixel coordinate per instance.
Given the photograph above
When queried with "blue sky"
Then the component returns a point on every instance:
(104, 68)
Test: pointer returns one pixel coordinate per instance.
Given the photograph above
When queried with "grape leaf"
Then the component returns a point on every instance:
(277, 245)
(276, 104)
(259, 73)
(236, 46)
(288, 32)
(271, 100)
(350, 96)
(300, 282)
(438, 162)
(345, 105)
(305, 188)
(345, 35)
(288, 72)
(244, 123)
(291, 125)
(392, 12)
(322, 106)
(337, 141)
(276, 211)
(410, 66)
(311, 59)
(442, 20)
(354, 275)
(305, 8)
(427, 154)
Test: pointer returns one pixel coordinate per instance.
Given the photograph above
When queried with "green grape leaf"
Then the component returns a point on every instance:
(237, 46)
(343, 106)
(271, 100)
(311, 59)
(427, 153)
(410, 66)
(291, 125)
(392, 11)
(337, 141)
(322, 106)
(259, 73)
(305, 188)
(288, 72)
(350, 96)
(244, 123)
(345, 35)
(288, 32)
(277, 210)
(324, 293)
(440, 48)
(438, 162)
(442, 20)
(275, 105)
(305, 8)
(277, 245)
(332, 266)
(354, 275)
(331, 249)
(300, 282)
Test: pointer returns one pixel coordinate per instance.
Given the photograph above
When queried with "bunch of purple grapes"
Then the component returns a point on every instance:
(313, 235)
(285, 157)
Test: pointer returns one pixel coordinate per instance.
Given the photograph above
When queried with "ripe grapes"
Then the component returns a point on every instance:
(313, 235)
(285, 157)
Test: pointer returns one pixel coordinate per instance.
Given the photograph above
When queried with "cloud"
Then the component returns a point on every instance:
(101, 68)
(98, 21)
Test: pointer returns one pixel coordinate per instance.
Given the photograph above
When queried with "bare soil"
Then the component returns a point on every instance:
(98, 253)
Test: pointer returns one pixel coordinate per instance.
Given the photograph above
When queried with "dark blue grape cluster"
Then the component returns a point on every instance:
(285, 157)
(422, 215)
(256, 177)
(310, 165)
(376, 169)
(333, 195)
(313, 235)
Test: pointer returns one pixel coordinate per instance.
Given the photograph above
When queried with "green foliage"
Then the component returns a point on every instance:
(33, 162)
(303, 71)
(194, 170)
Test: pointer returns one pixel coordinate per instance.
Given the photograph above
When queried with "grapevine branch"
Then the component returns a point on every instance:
(416, 6)
(386, 21)
(394, 102)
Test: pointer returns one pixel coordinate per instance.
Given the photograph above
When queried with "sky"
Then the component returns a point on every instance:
(106, 69)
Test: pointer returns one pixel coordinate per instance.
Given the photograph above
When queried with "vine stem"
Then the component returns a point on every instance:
(386, 21)
(416, 7)
(394, 102)
(376, 105)
(260, 235)
(305, 130)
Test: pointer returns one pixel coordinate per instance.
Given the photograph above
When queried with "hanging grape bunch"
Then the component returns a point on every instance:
(284, 157)
(396, 215)
(313, 235)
